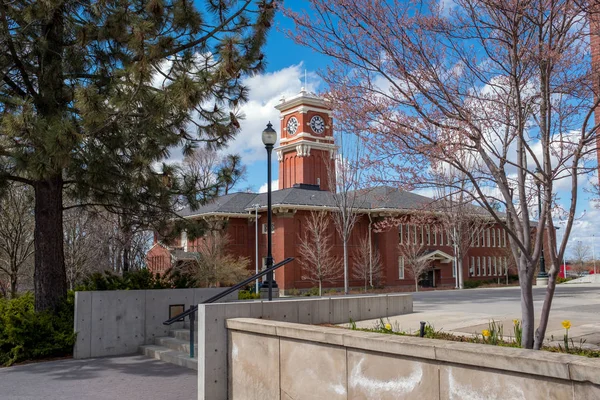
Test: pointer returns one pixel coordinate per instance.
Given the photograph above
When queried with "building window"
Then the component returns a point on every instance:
(504, 235)
(428, 232)
(478, 266)
(483, 238)
(400, 234)
(435, 232)
(184, 241)
(264, 228)
(448, 242)
(505, 266)
(421, 238)
(415, 232)
(495, 266)
(476, 236)
(401, 267)
(489, 241)
(499, 238)
(484, 267)
(441, 236)
(454, 269)
(493, 238)
(472, 267)
(489, 266)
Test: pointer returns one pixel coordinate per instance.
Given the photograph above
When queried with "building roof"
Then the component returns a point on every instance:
(378, 198)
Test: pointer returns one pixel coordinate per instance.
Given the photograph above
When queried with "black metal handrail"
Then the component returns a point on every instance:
(191, 312)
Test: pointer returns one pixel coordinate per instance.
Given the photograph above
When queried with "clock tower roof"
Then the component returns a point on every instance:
(304, 98)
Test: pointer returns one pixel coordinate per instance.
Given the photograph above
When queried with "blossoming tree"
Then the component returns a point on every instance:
(504, 84)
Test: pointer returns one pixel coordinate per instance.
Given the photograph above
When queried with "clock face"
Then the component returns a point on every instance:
(317, 124)
(292, 126)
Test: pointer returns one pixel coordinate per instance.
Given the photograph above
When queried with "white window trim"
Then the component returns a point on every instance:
(264, 228)
(184, 241)
(401, 267)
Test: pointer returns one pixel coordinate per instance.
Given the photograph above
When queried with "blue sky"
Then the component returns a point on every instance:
(287, 64)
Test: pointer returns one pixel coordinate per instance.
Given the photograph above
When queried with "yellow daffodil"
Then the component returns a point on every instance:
(388, 327)
(485, 333)
(515, 321)
(566, 324)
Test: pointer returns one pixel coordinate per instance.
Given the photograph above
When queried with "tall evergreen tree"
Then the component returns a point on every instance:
(94, 94)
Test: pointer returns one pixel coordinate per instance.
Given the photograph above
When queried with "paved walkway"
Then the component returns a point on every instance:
(468, 312)
(114, 378)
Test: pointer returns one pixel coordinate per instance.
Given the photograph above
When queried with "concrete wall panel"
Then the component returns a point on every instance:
(83, 325)
(117, 322)
(312, 371)
(254, 361)
(157, 310)
(372, 375)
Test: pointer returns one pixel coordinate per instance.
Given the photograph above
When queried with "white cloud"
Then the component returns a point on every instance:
(274, 186)
(266, 90)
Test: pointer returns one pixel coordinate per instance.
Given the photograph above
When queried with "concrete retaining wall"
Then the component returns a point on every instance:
(117, 322)
(212, 332)
(277, 360)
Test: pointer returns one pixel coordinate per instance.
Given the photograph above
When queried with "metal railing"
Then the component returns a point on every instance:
(191, 312)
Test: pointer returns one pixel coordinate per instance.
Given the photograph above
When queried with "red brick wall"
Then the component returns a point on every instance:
(290, 226)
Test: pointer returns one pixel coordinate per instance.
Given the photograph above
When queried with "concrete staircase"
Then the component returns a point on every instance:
(174, 349)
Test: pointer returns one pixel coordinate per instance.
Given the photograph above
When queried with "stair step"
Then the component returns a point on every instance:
(183, 334)
(171, 356)
(173, 344)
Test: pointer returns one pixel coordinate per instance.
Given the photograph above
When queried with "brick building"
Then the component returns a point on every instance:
(306, 147)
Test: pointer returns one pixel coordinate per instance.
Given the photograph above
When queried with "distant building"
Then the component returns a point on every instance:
(305, 154)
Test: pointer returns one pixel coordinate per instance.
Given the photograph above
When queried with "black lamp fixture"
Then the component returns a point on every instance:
(539, 176)
(269, 138)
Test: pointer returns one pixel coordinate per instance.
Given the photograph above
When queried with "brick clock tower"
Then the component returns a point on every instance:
(307, 150)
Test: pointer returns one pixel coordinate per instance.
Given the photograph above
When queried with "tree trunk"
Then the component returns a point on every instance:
(540, 333)
(527, 312)
(459, 267)
(14, 285)
(345, 266)
(320, 287)
(50, 279)
(416, 284)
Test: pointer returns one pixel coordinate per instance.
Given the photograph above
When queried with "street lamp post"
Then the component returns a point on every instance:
(542, 278)
(269, 137)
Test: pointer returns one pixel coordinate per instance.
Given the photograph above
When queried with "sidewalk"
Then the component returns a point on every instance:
(112, 378)
(472, 316)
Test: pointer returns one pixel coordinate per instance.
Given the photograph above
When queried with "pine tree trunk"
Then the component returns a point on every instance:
(14, 280)
(50, 279)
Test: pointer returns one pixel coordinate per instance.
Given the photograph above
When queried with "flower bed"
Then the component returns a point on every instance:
(494, 336)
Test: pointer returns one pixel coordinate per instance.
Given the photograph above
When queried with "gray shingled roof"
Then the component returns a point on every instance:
(382, 197)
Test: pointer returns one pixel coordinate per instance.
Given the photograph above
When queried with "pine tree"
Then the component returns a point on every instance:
(94, 94)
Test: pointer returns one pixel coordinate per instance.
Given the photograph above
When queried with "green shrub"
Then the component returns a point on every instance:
(248, 295)
(137, 280)
(28, 335)
(472, 284)
(312, 292)
(293, 292)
